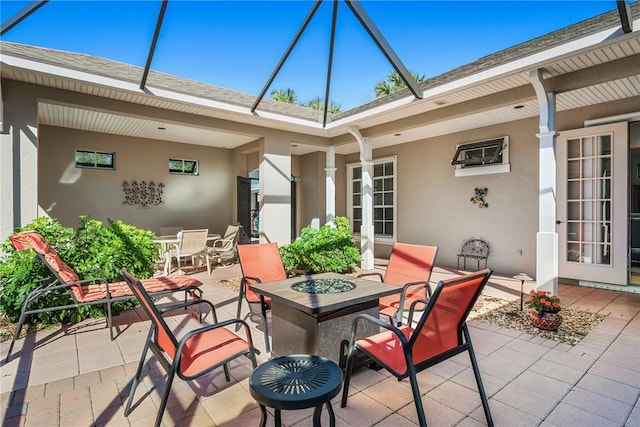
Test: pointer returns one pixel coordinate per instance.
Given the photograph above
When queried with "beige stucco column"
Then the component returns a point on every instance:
(547, 236)
(275, 190)
(366, 230)
(330, 189)
(18, 157)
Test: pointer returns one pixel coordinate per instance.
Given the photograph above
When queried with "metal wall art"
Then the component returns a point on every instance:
(478, 198)
(143, 193)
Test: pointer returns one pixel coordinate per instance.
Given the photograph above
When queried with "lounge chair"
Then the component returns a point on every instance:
(440, 333)
(409, 266)
(198, 352)
(92, 291)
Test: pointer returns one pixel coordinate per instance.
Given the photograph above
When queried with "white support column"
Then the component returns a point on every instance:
(18, 157)
(275, 191)
(366, 230)
(330, 190)
(547, 236)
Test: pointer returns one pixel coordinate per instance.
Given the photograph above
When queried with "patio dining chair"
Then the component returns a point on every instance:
(91, 291)
(198, 352)
(224, 251)
(259, 263)
(440, 333)
(191, 244)
(410, 267)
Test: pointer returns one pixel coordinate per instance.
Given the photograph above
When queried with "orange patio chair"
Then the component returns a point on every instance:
(198, 352)
(409, 266)
(440, 333)
(259, 263)
(90, 291)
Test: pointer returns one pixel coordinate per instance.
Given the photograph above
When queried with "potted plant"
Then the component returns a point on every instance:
(544, 310)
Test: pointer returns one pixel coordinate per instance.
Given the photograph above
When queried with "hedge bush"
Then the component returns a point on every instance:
(92, 246)
(331, 248)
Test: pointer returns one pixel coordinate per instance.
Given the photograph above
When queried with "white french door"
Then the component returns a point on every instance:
(592, 203)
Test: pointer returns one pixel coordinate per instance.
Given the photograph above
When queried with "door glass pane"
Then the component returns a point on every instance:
(573, 148)
(587, 168)
(573, 232)
(587, 211)
(573, 190)
(573, 252)
(589, 200)
(605, 145)
(587, 146)
(357, 172)
(388, 199)
(587, 189)
(587, 232)
(573, 169)
(388, 228)
(573, 211)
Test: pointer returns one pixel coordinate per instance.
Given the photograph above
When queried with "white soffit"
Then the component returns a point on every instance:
(107, 122)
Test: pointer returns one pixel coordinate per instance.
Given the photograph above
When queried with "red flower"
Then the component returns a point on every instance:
(547, 303)
(543, 301)
(556, 305)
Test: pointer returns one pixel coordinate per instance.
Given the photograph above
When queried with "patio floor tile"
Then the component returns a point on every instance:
(75, 375)
(506, 415)
(598, 404)
(568, 415)
(610, 388)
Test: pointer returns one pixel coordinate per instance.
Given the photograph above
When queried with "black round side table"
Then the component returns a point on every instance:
(296, 382)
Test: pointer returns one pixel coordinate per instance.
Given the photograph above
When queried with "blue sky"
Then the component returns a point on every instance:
(237, 44)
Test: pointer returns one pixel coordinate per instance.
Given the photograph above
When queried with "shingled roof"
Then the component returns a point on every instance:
(573, 32)
(130, 73)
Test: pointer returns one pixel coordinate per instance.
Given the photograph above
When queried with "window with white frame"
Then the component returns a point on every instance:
(482, 157)
(384, 197)
(183, 166)
(95, 159)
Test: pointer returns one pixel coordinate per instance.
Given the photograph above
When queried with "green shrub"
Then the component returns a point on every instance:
(331, 248)
(93, 246)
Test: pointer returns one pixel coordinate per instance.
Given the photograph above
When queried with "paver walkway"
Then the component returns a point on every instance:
(76, 376)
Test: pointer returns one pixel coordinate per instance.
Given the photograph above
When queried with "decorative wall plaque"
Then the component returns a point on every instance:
(144, 194)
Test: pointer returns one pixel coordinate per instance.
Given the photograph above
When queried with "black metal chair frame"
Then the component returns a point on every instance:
(173, 367)
(407, 345)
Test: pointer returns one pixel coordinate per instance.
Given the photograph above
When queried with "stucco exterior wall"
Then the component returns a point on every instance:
(434, 206)
(65, 192)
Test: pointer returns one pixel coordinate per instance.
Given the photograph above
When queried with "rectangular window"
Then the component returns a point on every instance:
(482, 157)
(384, 200)
(95, 159)
(184, 167)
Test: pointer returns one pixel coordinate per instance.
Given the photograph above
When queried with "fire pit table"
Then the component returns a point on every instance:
(313, 314)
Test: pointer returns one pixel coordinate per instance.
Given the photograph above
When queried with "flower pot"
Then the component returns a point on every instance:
(545, 320)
